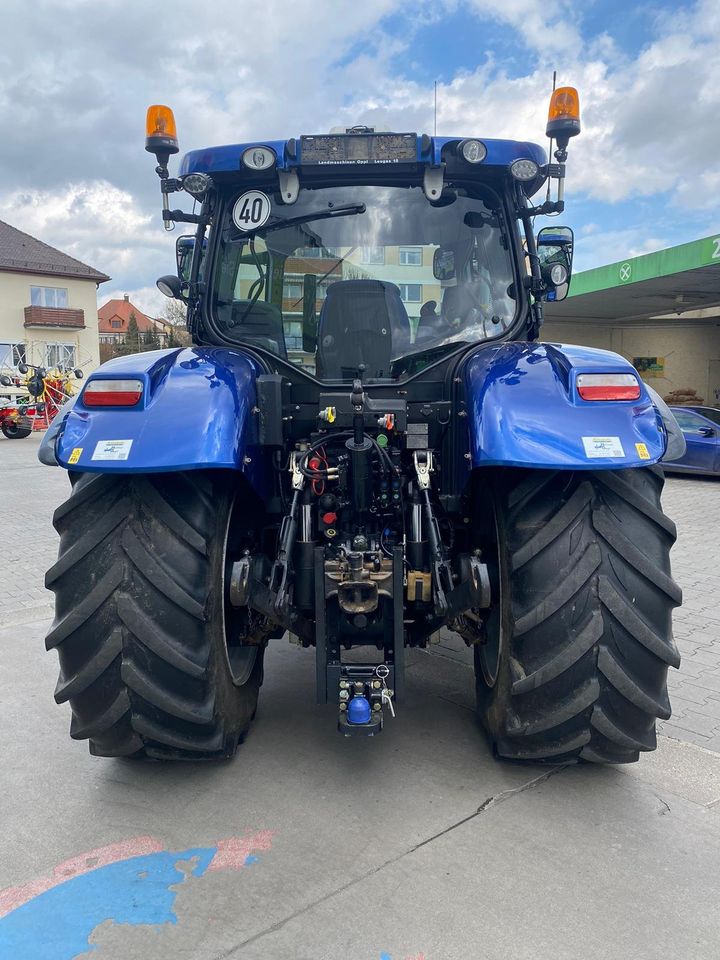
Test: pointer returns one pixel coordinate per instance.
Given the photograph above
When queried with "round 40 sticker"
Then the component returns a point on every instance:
(251, 210)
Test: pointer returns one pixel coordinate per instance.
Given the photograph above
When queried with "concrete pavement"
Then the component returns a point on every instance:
(415, 844)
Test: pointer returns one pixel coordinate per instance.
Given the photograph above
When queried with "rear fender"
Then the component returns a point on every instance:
(524, 411)
(195, 413)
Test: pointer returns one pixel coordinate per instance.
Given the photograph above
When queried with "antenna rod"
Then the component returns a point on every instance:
(435, 128)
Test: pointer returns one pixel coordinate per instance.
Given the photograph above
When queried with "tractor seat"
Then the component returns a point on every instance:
(361, 322)
(262, 326)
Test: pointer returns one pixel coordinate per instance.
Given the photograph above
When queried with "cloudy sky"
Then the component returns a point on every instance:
(77, 75)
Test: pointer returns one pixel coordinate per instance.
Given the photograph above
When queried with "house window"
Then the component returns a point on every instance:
(411, 292)
(410, 256)
(11, 354)
(59, 356)
(315, 253)
(116, 324)
(292, 290)
(49, 297)
(373, 255)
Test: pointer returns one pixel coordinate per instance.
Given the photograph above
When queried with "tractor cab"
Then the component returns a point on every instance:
(364, 254)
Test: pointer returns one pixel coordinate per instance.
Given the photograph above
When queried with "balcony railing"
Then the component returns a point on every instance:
(61, 317)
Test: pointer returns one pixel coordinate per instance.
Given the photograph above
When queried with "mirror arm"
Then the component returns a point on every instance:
(550, 206)
(534, 283)
(179, 216)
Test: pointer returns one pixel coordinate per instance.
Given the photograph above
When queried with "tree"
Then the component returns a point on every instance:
(151, 340)
(131, 343)
(175, 313)
(175, 316)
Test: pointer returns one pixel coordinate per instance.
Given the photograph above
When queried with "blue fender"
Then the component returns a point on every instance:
(524, 411)
(195, 413)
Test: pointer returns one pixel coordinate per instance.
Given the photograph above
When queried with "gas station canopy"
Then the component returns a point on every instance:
(676, 280)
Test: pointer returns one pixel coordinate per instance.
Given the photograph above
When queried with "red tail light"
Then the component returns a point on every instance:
(112, 393)
(608, 386)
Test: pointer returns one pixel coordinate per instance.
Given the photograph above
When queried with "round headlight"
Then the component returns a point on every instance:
(196, 184)
(558, 274)
(524, 169)
(258, 158)
(474, 151)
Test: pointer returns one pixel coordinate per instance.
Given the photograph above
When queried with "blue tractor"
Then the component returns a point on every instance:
(366, 442)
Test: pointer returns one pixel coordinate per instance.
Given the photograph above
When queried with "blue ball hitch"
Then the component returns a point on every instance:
(358, 710)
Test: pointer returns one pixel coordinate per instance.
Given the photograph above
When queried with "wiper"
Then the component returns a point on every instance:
(346, 210)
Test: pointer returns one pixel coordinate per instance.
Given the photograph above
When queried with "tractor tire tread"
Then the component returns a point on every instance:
(138, 624)
(588, 617)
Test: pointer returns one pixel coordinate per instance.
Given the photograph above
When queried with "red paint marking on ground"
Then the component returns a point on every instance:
(13, 897)
(232, 852)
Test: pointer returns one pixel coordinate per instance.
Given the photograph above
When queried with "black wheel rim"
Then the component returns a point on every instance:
(490, 652)
(240, 658)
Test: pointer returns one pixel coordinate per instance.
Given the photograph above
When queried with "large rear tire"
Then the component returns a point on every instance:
(148, 662)
(579, 645)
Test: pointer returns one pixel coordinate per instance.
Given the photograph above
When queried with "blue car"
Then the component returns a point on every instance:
(701, 429)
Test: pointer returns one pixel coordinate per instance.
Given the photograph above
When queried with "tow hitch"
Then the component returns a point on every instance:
(363, 692)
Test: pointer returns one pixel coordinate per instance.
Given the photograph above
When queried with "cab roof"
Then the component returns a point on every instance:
(227, 159)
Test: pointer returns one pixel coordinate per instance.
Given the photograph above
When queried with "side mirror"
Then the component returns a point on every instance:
(5, 381)
(171, 286)
(555, 252)
(184, 248)
(78, 373)
(309, 321)
(23, 368)
(444, 266)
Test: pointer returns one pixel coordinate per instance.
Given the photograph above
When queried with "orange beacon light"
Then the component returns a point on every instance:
(161, 132)
(563, 115)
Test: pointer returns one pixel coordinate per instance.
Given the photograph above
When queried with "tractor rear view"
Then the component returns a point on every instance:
(366, 443)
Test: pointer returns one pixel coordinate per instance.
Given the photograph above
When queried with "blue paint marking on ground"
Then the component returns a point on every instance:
(56, 924)
(250, 859)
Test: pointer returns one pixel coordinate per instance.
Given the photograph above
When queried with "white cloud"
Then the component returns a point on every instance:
(148, 299)
(77, 77)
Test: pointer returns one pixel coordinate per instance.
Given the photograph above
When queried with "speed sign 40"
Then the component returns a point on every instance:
(251, 210)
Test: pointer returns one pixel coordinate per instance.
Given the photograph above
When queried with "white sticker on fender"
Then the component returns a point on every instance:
(603, 447)
(112, 450)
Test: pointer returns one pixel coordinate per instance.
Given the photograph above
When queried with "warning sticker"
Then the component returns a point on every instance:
(112, 450)
(603, 447)
(75, 455)
(642, 451)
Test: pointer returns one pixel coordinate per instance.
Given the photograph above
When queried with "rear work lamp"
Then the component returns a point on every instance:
(112, 393)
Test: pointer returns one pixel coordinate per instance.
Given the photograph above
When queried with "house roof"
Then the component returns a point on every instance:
(21, 253)
(121, 310)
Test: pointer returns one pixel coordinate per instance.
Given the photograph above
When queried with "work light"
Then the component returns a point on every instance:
(524, 169)
(196, 184)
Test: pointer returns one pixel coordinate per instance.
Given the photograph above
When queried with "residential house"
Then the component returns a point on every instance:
(114, 318)
(48, 304)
